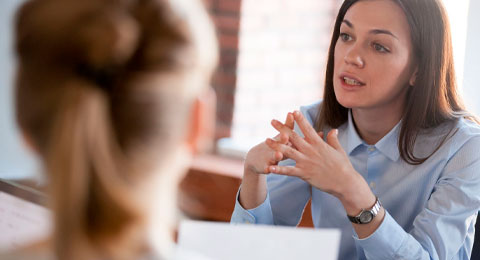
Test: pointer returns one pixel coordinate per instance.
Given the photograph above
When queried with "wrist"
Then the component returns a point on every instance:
(253, 190)
(251, 172)
(356, 196)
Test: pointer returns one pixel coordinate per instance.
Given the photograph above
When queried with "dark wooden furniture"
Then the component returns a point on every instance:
(208, 191)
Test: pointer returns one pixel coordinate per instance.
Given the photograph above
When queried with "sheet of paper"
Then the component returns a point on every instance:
(21, 222)
(224, 241)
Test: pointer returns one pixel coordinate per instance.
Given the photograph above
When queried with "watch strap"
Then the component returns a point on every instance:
(373, 211)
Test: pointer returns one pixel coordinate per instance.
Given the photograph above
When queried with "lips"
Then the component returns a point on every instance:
(351, 81)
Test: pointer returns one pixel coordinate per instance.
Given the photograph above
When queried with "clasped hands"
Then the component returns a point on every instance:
(323, 164)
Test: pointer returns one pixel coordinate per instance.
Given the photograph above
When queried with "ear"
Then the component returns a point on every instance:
(202, 123)
(413, 78)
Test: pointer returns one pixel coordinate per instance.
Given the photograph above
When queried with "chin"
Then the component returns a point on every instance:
(344, 100)
(346, 104)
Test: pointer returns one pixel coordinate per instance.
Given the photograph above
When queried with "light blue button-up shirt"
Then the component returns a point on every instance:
(430, 208)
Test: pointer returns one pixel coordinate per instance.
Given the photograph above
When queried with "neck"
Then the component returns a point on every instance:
(373, 124)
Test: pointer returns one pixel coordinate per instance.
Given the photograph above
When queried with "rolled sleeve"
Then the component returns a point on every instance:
(259, 215)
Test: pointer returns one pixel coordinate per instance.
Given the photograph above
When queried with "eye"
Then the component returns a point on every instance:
(380, 48)
(345, 37)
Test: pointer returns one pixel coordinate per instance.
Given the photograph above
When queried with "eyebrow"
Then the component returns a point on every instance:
(374, 31)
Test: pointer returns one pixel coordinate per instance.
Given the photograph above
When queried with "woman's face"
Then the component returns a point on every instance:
(373, 57)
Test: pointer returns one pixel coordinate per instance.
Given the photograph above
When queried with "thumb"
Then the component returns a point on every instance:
(332, 140)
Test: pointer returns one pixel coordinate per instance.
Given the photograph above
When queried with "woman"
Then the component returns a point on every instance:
(398, 170)
(112, 95)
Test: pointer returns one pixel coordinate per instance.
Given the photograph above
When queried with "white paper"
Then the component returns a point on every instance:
(21, 222)
(224, 241)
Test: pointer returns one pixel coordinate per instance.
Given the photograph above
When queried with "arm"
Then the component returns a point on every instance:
(443, 230)
(285, 201)
(326, 166)
(288, 196)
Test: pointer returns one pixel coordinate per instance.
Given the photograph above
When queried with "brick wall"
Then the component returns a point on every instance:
(272, 61)
(226, 16)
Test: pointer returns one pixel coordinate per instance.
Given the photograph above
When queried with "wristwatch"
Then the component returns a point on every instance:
(366, 215)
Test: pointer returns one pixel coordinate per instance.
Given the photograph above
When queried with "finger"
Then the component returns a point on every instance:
(290, 121)
(273, 158)
(285, 170)
(266, 169)
(321, 134)
(306, 128)
(293, 137)
(278, 156)
(283, 138)
(332, 140)
(286, 150)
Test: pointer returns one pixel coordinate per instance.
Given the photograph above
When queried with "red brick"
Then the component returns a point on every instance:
(222, 130)
(230, 6)
(208, 4)
(227, 23)
(228, 59)
(224, 79)
(228, 41)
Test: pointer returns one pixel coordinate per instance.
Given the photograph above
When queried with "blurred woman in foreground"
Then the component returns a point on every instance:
(113, 97)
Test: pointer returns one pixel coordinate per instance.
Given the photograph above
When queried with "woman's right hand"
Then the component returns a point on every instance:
(257, 161)
(261, 156)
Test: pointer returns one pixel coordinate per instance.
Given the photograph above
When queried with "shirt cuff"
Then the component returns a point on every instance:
(259, 215)
(385, 241)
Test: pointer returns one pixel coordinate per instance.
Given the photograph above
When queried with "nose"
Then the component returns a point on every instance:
(353, 57)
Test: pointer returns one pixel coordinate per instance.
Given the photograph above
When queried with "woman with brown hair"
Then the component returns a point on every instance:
(113, 96)
(397, 169)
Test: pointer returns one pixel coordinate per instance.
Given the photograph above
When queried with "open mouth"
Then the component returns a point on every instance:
(352, 82)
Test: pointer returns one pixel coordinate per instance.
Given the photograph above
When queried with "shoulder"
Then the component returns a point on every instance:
(454, 134)
(465, 137)
(463, 134)
(467, 129)
(452, 142)
(461, 147)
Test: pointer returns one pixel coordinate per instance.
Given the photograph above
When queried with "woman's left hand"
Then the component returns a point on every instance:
(325, 165)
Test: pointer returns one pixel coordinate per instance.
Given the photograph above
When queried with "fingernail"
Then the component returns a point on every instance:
(272, 168)
(336, 132)
(296, 113)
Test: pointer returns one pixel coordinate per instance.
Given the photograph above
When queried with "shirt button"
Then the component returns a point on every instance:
(371, 148)
(372, 185)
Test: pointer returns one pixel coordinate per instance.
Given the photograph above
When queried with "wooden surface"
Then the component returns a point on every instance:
(209, 189)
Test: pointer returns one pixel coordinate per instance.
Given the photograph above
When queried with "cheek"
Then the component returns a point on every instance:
(392, 72)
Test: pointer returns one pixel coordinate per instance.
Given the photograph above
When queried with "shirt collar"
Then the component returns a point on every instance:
(353, 139)
(388, 145)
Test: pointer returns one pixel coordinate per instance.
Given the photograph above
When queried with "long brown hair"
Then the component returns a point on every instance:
(434, 99)
(103, 89)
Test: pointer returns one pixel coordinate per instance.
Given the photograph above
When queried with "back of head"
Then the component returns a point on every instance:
(102, 88)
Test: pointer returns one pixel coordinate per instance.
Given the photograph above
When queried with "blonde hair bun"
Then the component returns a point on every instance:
(94, 33)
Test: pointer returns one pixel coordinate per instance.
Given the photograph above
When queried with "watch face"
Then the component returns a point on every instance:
(366, 217)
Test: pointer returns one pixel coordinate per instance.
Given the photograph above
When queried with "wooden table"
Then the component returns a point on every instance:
(209, 189)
